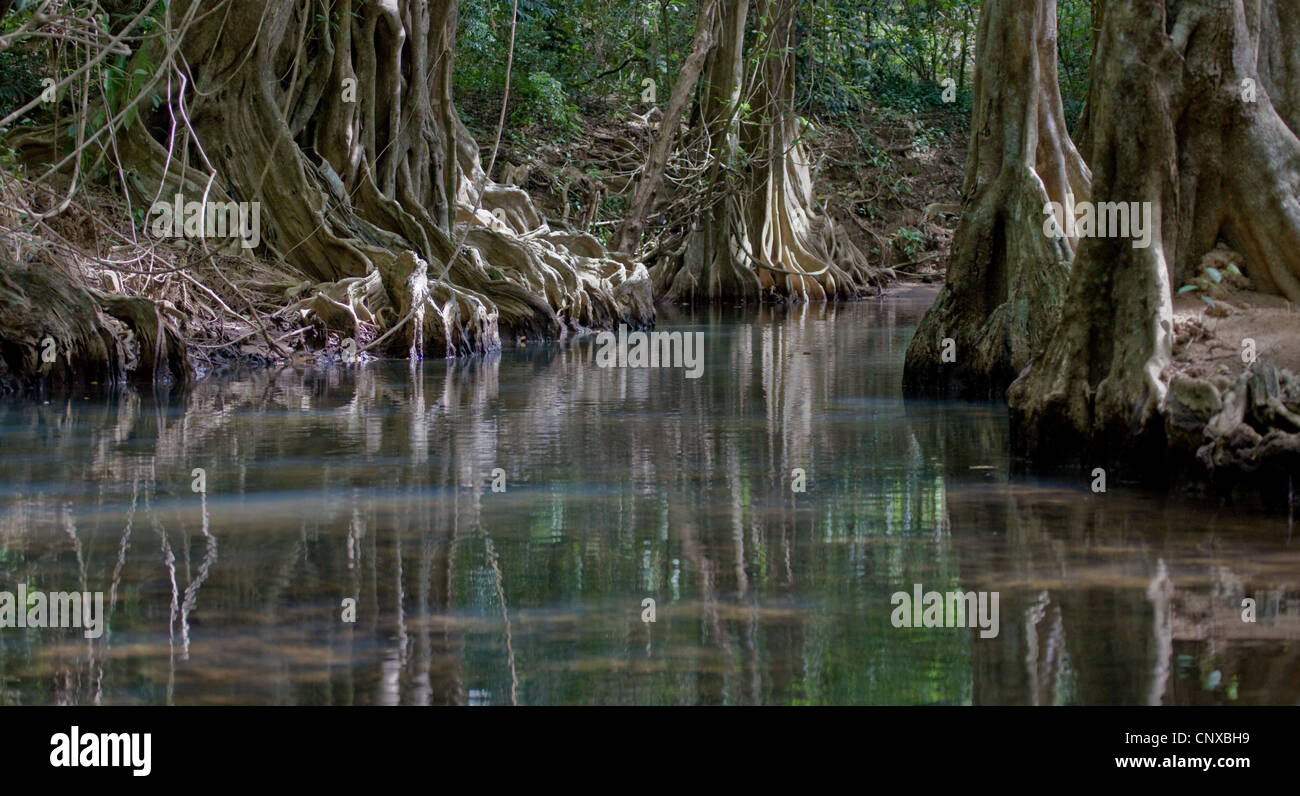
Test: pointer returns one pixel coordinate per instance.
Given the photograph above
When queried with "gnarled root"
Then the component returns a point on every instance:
(58, 334)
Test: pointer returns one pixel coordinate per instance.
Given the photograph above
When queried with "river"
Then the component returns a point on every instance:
(502, 530)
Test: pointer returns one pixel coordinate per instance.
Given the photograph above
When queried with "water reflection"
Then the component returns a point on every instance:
(375, 484)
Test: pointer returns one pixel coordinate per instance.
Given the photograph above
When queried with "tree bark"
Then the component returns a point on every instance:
(759, 234)
(1279, 58)
(1006, 278)
(1171, 126)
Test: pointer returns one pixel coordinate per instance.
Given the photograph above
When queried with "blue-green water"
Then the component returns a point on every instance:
(375, 483)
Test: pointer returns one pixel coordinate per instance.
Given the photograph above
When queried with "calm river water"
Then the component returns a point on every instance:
(367, 494)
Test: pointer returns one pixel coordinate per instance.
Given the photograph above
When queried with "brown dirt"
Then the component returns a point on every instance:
(1209, 344)
(879, 178)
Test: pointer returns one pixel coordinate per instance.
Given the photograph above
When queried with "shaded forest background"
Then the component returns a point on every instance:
(553, 95)
(445, 180)
(870, 78)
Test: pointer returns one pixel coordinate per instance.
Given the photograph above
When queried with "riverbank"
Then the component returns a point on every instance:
(1233, 406)
(88, 299)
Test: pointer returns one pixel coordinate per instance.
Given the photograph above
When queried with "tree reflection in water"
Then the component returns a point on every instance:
(374, 483)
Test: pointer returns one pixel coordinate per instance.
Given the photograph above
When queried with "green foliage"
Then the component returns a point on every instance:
(911, 242)
(9, 160)
(21, 69)
(20, 78)
(895, 54)
(570, 56)
(899, 53)
(590, 56)
(124, 79)
(1208, 283)
(541, 99)
(1074, 52)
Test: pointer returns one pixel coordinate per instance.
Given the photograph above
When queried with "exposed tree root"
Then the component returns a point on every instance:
(59, 334)
(1170, 126)
(375, 216)
(1243, 434)
(1006, 278)
(759, 234)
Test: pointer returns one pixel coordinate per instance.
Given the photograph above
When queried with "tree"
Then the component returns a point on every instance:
(759, 232)
(629, 233)
(1006, 278)
(337, 117)
(1172, 125)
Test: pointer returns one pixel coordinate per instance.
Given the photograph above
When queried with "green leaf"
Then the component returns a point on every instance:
(1187, 289)
(1214, 274)
(1207, 300)
(1232, 267)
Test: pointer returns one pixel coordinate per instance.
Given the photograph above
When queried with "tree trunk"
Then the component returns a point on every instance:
(1279, 58)
(759, 234)
(1006, 278)
(338, 119)
(1171, 126)
(629, 233)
